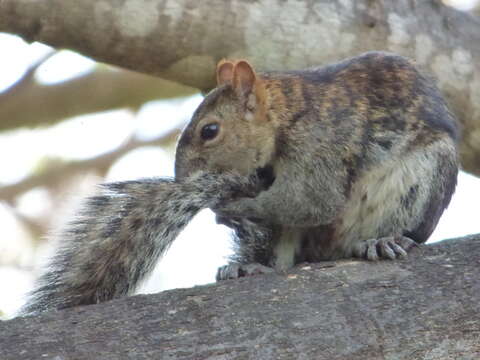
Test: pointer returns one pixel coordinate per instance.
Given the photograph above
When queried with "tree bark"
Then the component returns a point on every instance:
(424, 307)
(181, 40)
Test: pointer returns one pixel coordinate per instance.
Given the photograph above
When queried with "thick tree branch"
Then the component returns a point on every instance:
(181, 40)
(32, 104)
(425, 307)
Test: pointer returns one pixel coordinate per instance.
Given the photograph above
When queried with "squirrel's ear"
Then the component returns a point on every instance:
(243, 78)
(224, 72)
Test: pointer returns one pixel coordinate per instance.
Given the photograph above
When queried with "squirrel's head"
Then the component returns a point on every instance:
(230, 130)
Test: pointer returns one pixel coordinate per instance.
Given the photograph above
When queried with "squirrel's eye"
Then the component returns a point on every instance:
(209, 131)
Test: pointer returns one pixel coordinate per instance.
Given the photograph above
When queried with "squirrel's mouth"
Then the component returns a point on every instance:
(184, 169)
(266, 175)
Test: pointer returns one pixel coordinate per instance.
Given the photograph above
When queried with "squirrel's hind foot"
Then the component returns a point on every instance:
(389, 247)
(235, 270)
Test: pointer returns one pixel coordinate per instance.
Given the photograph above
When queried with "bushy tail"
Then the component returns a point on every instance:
(121, 233)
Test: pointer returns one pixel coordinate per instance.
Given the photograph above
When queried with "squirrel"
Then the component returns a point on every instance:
(361, 159)
(353, 159)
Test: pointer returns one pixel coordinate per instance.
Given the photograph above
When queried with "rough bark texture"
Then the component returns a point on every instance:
(182, 40)
(425, 307)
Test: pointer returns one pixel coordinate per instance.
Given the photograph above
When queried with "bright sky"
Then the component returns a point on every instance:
(191, 260)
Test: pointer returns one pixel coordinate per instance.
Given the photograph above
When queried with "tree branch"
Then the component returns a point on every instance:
(28, 78)
(181, 40)
(425, 307)
(99, 90)
(52, 175)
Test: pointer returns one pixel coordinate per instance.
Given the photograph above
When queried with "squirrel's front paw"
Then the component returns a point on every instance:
(390, 247)
(233, 186)
(240, 208)
(235, 271)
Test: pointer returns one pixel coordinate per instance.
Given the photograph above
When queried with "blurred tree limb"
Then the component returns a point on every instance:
(28, 103)
(57, 172)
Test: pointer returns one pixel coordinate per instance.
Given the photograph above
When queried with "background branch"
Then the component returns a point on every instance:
(99, 90)
(50, 176)
(27, 79)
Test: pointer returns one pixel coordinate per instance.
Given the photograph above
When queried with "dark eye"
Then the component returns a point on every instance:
(209, 131)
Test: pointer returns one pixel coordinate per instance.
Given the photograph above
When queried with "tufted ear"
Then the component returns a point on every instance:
(243, 78)
(224, 72)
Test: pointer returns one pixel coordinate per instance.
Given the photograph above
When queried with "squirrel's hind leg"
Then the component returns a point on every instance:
(398, 203)
(253, 249)
(235, 270)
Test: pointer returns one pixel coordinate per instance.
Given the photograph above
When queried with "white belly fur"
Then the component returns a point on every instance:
(374, 207)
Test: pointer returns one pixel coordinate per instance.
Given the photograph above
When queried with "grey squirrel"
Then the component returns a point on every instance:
(354, 159)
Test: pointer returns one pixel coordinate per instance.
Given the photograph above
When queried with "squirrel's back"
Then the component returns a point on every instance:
(365, 88)
(361, 110)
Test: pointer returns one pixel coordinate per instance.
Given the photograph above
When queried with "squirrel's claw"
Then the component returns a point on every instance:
(389, 247)
(235, 270)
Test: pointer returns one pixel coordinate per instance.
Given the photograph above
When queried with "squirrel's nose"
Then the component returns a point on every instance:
(186, 166)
